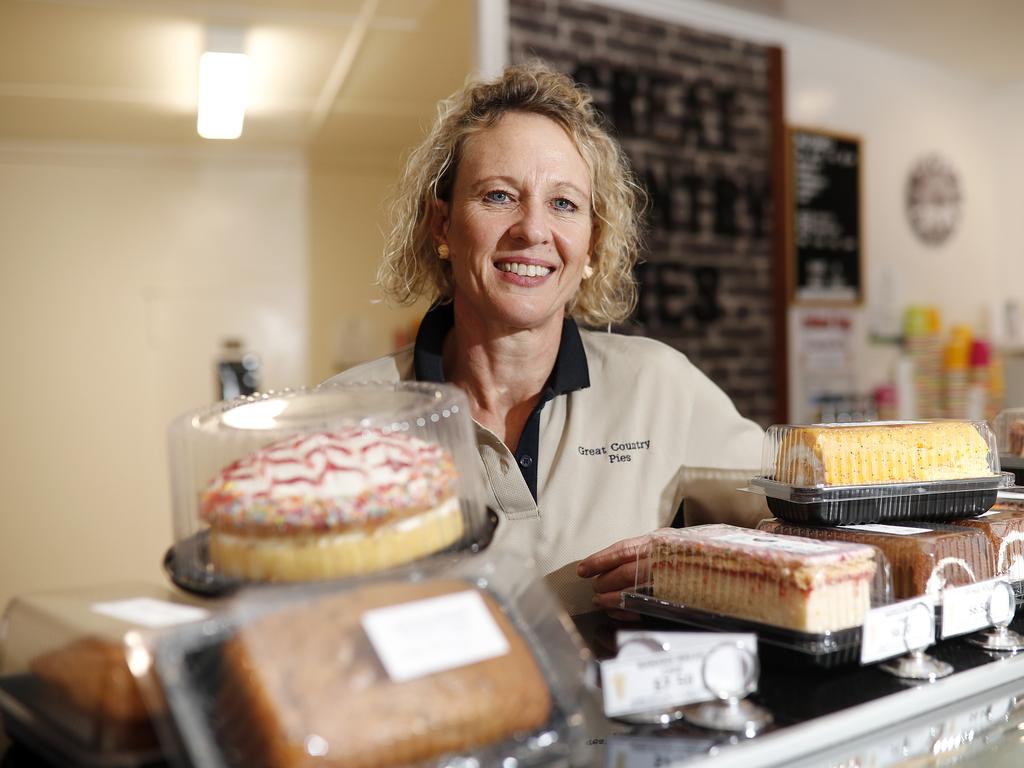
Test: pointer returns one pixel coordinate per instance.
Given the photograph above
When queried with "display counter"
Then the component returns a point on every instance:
(849, 716)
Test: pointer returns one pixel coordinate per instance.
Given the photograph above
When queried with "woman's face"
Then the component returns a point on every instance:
(518, 226)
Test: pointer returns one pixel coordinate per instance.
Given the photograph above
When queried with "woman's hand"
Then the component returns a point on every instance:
(612, 570)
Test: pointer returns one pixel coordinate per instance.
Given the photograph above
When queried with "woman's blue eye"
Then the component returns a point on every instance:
(497, 196)
(564, 205)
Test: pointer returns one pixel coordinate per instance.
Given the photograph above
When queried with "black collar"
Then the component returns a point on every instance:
(569, 374)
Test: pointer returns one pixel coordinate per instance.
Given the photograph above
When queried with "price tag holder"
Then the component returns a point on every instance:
(976, 606)
(894, 629)
(672, 676)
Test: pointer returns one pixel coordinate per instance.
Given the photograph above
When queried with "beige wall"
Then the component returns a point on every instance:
(349, 320)
(120, 272)
(122, 268)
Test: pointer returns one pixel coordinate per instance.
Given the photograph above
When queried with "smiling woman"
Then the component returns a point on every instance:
(517, 216)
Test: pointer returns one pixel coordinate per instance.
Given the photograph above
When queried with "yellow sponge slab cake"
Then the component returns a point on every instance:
(881, 452)
(786, 581)
(307, 689)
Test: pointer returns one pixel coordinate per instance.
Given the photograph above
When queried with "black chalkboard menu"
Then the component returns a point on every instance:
(824, 217)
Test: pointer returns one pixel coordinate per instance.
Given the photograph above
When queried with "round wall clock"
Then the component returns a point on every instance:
(933, 200)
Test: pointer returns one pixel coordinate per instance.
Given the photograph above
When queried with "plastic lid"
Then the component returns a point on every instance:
(65, 682)
(456, 656)
(331, 482)
(1009, 431)
(1004, 527)
(785, 581)
(924, 557)
(877, 453)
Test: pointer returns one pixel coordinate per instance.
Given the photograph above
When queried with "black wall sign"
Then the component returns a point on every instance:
(824, 218)
(700, 117)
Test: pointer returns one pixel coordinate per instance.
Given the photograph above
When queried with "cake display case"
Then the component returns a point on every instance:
(803, 596)
(1009, 430)
(332, 482)
(924, 558)
(451, 661)
(876, 472)
(66, 689)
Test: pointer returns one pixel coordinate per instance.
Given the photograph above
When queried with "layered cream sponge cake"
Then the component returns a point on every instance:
(332, 504)
(883, 452)
(786, 581)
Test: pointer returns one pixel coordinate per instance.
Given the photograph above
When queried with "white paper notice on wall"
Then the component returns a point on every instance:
(427, 636)
(150, 612)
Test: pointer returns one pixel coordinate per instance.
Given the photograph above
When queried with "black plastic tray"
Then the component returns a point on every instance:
(36, 716)
(824, 650)
(187, 562)
(858, 505)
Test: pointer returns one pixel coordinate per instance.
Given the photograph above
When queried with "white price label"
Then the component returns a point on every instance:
(976, 606)
(150, 612)
(427, 636)
(1013, 495)
(896, 530)
(894, 629)
(633, 683)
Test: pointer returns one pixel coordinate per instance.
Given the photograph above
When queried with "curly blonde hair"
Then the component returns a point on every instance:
(411, 269)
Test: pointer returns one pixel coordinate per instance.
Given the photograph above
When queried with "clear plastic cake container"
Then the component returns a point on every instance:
(872, 472)
(803, 596)
(1003, 526)
(332, 482)
(66, 691)
(923, 557)
(1009, 431)
(451, 661)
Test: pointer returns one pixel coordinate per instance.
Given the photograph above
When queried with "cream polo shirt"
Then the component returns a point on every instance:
(626, 429)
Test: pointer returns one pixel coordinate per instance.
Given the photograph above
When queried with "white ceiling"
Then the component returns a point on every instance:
(326, 74)
(358, 77)
(981, 39)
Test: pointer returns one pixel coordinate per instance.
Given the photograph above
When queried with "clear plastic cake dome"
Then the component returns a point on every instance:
(800, 595)
(924, 558)
(869, 472)
(66, 688)
(1009, 431)
(450, 661)
(332, 482)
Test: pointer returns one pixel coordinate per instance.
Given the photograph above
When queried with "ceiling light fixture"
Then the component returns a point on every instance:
(223, 84)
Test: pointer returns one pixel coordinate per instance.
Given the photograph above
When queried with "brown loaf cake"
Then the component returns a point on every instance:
(892, 452)
(964, 556)
(92, 677)
(1016, 437)
(1004, 528)
(310, 670)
